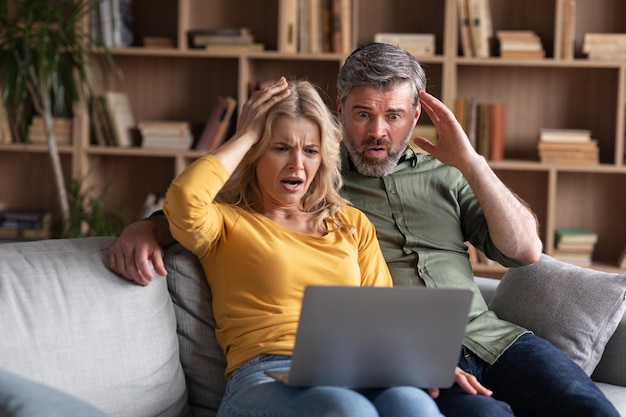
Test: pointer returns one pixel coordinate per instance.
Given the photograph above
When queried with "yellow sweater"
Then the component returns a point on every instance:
(257, 269)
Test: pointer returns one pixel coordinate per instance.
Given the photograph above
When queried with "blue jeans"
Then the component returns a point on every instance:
(531, 379)
(250, 392)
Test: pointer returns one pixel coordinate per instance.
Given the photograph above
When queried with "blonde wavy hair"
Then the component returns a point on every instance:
(323, 196)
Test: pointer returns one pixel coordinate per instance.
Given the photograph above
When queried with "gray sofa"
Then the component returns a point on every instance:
(69, 323)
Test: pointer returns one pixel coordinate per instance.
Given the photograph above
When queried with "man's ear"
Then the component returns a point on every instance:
(418, 112)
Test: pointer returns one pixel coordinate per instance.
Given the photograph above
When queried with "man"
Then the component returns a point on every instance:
(424, 208)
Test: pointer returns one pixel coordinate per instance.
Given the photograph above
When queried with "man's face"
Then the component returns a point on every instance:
(377, 126)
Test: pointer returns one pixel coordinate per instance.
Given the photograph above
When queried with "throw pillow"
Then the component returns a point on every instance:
(201, 356)
(576, 309)
(21, 397)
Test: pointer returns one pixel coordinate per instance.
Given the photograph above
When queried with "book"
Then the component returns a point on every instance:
(61, 129)
(288, 26)
(59, 124)
(19, 218)
(604, 45)
(341, 13)
(417, 44)
(101, 123)
(590, 146)
(483, 129)
(165, 134)
(479, 12)
(224, 121)
(121, 117)
(112, 23)
(105, 18)
(574, 235)
(539, 54)
(158, 42)
(496, 131)
(569, 152)
(467, 47)
(579, 259)
(565, 135)
(250, 47)
(200, 38)
(122, 22)
(520, 44)
(568, 30)
(313, 11)
(210, 126)
(163, 126)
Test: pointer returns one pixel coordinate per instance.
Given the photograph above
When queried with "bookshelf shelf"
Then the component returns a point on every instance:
(180, 83)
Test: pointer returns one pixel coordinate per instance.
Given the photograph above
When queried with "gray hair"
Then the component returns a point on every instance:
(383, 66)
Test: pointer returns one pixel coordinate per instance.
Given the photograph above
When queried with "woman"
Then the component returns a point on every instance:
(264, 215)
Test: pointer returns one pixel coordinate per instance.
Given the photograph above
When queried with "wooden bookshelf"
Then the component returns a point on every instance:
(182, 84)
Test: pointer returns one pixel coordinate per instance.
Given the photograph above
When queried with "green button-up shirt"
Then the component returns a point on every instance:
(423, 213)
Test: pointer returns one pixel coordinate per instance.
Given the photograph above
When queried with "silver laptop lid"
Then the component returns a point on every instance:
(379, 337)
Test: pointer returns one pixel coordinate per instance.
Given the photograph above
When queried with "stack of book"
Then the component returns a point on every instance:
(522, 44)
(165, 134)
(574, 245)
(568, 146)
(233, 39)
(605, 45)
(25, 224)
(417, 44)
(61, 126)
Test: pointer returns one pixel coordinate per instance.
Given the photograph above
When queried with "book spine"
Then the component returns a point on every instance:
(496, 132)
(288, 26)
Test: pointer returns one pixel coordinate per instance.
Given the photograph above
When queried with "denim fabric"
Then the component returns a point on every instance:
(532, 377)
(250, 392)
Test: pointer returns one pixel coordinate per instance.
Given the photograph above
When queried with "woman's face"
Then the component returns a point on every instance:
(286, 169)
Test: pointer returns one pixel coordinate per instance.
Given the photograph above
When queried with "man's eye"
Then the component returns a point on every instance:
(362, 115)
(394, 116)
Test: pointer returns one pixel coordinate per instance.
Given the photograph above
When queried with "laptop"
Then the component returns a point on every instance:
(373, 337)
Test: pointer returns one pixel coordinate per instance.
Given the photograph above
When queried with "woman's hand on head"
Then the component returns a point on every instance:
(254, 111)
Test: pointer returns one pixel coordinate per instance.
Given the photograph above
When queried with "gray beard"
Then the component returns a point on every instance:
(373, 167)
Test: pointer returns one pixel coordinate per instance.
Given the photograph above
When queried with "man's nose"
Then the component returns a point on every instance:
(377, 127)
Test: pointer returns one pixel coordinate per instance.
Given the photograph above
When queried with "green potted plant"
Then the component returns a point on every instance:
(46, 69)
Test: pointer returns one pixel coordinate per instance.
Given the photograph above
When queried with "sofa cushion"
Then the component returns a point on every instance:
(70, 323)
(202, 358)
(21, 397)
(575, 308)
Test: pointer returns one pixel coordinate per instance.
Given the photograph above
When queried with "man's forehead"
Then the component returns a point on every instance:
(370, 97)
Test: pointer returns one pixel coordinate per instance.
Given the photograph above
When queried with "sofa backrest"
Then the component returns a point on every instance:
(69, 322)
